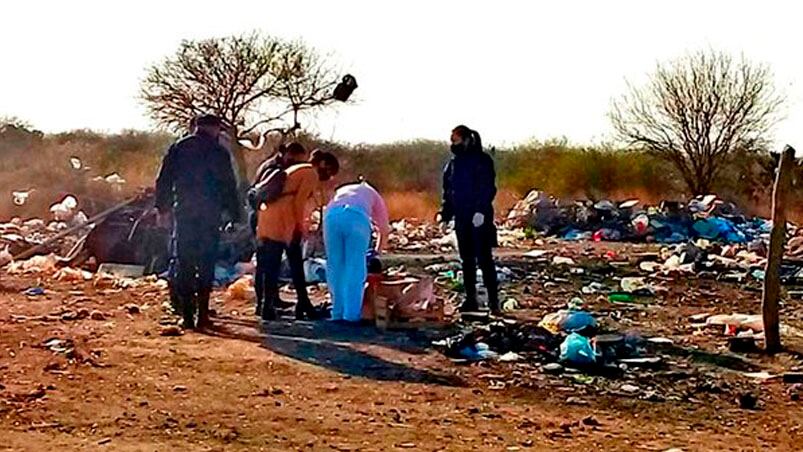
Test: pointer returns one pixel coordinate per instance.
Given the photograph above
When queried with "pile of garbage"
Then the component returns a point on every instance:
(416, 236)
(570, 337)
(413, 235)
(704, 217)
(19, 235)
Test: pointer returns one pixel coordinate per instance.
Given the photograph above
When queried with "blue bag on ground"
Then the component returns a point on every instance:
(578, 321)
(577, 350)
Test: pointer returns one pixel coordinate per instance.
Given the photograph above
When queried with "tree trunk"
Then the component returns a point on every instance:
(772, 283)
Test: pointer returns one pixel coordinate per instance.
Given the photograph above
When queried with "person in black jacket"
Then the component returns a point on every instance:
(286, 156)
(469, 188)
(197, 182)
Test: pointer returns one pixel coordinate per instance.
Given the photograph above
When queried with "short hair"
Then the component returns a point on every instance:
(295, 148)
(327, 158)
(209, 120)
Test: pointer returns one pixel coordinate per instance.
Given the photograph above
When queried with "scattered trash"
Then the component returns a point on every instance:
(559, 260)
(552, 368)
(242, 289)
(535, 254)
(577, 350)
(510, 357)
(33, 291)
(594, 288)
(68, 274)
(737, 322)
(171, 331)
(629, 389)
(122, 270)
(478, 352)
(510, 305)
(36, 264)
(578, 321)
(21, 197)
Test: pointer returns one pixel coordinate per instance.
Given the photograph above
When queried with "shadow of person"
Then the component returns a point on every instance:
(332, 346)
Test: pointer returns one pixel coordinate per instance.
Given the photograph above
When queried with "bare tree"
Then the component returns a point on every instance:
(254, 83)
(697, 110)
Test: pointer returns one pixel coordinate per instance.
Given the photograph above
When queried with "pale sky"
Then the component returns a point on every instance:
(513, 70)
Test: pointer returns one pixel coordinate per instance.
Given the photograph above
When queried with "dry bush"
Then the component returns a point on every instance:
(408, 173)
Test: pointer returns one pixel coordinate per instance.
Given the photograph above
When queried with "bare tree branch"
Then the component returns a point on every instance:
(697, 111)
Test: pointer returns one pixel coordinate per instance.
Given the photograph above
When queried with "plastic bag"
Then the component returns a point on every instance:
(552, 322)
(578, 321)
(577, 350)
(73, 275)
(242, 289)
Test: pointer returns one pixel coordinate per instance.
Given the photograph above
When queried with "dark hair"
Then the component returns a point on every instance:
(208, 120)
(294, 148)
(327, 158)
(469, 136)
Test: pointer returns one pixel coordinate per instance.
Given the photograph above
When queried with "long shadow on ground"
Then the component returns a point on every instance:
(332, 346)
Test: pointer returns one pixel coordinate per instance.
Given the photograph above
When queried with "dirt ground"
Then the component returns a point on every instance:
(110, 381)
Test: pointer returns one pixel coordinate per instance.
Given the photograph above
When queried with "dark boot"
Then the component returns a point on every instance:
(203, 311)
(470, 304)
(259, 307)
(188, 312)
(268, 307)
(305, 310)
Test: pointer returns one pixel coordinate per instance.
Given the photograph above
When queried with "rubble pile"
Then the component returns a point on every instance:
(418, 236)
(705, 217)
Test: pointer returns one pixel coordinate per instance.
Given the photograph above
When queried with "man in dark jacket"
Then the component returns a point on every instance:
(469, 188)
(197, 182)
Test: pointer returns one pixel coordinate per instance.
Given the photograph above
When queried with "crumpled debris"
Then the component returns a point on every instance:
(45, 265)
(68, 274)
(242, 289)
(705, 217)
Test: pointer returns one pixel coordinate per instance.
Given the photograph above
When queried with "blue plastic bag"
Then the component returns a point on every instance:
(577, 321)
(577, 350)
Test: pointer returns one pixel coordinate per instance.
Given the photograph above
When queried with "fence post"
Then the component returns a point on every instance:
(772, 282)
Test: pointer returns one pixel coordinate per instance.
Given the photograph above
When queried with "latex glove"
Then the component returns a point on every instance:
(478, 220)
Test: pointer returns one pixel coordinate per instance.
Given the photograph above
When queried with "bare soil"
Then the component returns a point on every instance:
(115, 383)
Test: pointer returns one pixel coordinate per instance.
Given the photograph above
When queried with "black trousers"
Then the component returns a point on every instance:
(476, 250)
(266, 282)
(196, 251)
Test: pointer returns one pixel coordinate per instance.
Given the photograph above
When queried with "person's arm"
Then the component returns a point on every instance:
(381, 218)
(306, 186)
(447, 210)
(487, 183)
(165, 182)
(227, 184)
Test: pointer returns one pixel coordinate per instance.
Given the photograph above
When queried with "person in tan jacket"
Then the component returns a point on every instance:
(285, 219)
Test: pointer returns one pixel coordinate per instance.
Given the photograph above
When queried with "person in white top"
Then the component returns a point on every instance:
(347, 236)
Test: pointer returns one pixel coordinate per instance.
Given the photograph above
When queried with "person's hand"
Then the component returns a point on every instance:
(478, 220)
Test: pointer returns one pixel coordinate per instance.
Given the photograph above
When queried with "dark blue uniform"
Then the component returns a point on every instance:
(197, 181)
(469, 187)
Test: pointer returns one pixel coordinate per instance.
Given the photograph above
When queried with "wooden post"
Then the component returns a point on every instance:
(772, 282)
